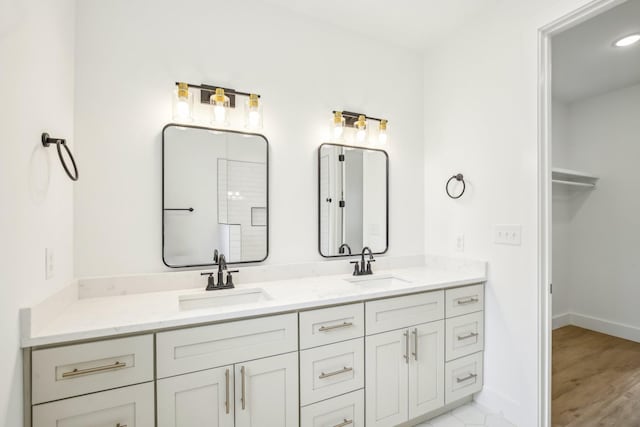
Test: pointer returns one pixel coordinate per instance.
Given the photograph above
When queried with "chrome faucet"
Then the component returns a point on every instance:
(342, 247)
(222, 266)
(365, 266)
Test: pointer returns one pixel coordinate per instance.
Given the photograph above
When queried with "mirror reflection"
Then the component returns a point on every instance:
(215, 197)
(353, 200)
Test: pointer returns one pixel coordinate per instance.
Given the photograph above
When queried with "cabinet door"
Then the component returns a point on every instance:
(200, 399)
(267, 392)
(125, 407)
(386, 377)
(426, 368)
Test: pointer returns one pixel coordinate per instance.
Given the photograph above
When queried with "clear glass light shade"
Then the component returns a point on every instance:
(182, 104)
(337, 126)
(361, 129)
(253, 113)
(220, 103)
(383, 133)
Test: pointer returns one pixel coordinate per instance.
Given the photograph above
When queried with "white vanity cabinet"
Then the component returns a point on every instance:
(257, 386)
(404, 374)
(378, 363)
(204, 398)
(131, 406)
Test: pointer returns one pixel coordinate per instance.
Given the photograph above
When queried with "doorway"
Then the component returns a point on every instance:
(590, 109)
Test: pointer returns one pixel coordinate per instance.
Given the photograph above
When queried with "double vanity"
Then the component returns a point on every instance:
(376, 342)
(386, 349)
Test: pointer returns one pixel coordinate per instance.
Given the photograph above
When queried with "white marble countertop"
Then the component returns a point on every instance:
(96, 317)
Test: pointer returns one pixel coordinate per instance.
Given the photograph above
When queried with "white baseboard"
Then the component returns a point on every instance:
(608, 327)
(560, 320)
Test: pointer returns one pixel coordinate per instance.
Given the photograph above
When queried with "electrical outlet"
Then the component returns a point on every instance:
(460, 243)
(508, 235)
(49, 264)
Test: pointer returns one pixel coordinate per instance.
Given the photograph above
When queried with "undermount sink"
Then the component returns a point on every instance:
(222, 298)
(381, 281)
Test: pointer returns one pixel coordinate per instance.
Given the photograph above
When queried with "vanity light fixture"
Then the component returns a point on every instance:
(253, 112)
(182, 103)
(337, 123)
(359, 122)
(361, 128)
(627, 40)
(221, 101)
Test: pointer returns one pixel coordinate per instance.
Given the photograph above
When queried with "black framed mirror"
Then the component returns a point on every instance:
(353, 200)
(215, 196)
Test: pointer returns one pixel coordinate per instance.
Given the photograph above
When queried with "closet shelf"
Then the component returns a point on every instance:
(573, 178)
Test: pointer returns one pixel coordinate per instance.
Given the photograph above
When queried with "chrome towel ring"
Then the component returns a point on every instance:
(459, 178)
(47, 141)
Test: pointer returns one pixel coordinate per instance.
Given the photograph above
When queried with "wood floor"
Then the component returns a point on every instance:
(596, 379)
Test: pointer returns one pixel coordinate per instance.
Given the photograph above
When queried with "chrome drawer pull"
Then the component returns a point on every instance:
(415, 343)
(467, 378)
(331, 328)
(243, 398)
(121, 425)
(226, 402)
(346, 422)
(334, 373)
(466, 337)
(468, 301)
(406, 346)
(77, 372)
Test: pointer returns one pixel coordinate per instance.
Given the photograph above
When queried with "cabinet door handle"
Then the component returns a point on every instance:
(334, 373)
(406, 346)
(468, 301)
(121, 425)
(331, 328)
(243, 398)
(466, 337)
(226, 379)
(415, 343)
(346, 422)
(467, 378)
(78, 372)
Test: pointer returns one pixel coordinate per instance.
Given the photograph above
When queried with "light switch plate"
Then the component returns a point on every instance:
(460, 243)
(508, 234)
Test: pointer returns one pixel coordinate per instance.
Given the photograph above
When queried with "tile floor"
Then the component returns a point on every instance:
(469, 415)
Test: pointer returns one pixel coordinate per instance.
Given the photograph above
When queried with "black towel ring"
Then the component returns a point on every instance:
(459, 178)
(47, 140)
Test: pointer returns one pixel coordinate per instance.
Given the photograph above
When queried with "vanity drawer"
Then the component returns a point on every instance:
(78, 369)
(465, 300)
(464, 335)
(341, 411)
(131, 406)
(395, 313)
(463, 377)
(331, 370)
(329, 325)
(204, 347)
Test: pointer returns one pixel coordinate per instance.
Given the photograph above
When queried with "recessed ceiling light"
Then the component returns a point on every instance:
(627, 40)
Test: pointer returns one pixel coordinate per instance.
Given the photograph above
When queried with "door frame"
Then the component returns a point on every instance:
(545, 325)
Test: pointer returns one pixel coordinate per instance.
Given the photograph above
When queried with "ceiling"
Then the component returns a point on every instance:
(411, 24)
(586, 64)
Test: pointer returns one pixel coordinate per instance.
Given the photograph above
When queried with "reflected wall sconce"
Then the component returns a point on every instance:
(360, 123)
(221, 99)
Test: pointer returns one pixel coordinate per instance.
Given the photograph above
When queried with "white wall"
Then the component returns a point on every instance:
(604, 224)
(481, 95)
(131, 52)
(36, 82)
